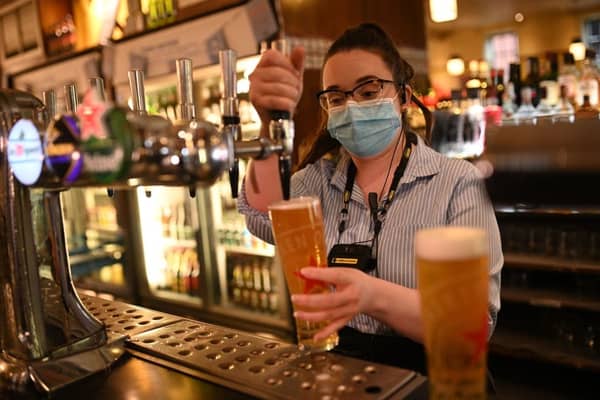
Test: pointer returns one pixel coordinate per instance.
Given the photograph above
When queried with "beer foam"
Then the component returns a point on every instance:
(295, 203)
(450, 243)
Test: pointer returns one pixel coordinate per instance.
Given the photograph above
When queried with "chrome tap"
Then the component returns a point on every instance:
(138, 96)
(281, 130)
(230, 117)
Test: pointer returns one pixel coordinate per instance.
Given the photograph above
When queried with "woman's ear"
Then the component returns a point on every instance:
(404, 96)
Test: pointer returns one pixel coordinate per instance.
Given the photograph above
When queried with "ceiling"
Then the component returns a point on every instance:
(479, 13)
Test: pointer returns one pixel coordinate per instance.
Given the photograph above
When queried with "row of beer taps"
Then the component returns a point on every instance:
(96, 144)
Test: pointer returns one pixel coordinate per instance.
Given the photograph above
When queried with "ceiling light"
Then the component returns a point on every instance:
(577, 48)
(443, 10)
(455, 65)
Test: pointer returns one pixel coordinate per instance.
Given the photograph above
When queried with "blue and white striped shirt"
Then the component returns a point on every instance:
(434, 191)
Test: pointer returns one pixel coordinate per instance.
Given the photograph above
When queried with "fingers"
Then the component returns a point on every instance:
(348, 311)
(323, 301)
(331, 329)
(336, 276)
(297, 57)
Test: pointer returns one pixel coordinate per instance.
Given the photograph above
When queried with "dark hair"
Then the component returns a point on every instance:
(370, 37)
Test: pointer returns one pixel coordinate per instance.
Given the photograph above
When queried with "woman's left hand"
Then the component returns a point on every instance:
(351, 296)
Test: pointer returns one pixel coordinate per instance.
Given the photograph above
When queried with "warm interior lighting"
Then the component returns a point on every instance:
(577, 48)
(455, 65)
(442, 10)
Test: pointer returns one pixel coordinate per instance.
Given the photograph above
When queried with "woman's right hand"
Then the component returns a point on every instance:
(276, 83)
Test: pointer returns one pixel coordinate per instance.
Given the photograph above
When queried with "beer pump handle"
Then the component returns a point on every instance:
(281, 129)
(138, 95)
(185, 94)
(49, 100)
(71, 99)
(230, 112)
(97, 85)
(136, 86)
(186, 109)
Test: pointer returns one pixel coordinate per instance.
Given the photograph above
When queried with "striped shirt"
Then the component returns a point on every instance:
(434, 191)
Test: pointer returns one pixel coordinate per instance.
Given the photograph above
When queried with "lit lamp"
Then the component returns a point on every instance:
(455, 65)
(442, 10)
(577, 48)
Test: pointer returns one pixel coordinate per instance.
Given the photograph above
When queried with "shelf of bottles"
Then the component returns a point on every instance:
(553, 88)
(168, 221)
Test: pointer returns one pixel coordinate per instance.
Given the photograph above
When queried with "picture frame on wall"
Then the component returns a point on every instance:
(21, 40)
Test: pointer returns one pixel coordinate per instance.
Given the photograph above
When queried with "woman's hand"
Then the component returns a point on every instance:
(353, 292)
(276, 83)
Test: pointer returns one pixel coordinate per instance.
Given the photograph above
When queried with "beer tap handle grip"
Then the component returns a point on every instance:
(285, 174)
(234, 176)
(71, 99)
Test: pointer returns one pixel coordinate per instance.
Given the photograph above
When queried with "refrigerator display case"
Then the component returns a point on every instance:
(95, 223)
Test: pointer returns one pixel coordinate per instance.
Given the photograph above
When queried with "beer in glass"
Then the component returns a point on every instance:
(452, 265)
(300, 240)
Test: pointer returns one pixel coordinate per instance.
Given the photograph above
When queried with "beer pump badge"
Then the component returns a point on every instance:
(25, 152)
(105, 139)
(63, 156)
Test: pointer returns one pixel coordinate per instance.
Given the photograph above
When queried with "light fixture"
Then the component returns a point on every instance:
(455, 65)
(577, 48)
(443, 10)
(519, 17)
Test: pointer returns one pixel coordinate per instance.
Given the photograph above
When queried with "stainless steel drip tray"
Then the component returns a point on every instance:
(265, 368)
(125, 319)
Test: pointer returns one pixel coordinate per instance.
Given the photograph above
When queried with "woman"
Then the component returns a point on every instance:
(394, 192)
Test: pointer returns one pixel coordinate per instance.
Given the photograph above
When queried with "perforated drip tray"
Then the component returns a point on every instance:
(266, 368)
(125, 319)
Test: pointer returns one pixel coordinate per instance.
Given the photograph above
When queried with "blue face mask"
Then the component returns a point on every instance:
(365, 129)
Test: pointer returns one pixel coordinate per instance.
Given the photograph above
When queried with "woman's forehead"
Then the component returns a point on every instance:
(345, 68)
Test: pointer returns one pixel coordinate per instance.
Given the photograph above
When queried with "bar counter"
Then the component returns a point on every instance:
(169, 357)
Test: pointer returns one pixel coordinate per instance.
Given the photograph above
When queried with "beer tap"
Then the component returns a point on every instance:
(71, 99)
(230, 117)
(138, 95)
(186, 109)
(281, 130)
(97, 85)
(49, 100)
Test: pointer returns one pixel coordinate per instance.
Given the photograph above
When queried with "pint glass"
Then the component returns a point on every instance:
(300, 241)
(452, 265)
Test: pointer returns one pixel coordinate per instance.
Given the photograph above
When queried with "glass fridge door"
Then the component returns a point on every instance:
(168, 235)
(246, 269)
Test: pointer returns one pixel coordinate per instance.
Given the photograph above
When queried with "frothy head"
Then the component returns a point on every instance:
(450, 243)
(296, 203)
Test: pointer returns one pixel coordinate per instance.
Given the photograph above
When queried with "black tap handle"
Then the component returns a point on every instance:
(234, 176)
(148, 193)
(110, 192)
(192, 192)
(285, 174)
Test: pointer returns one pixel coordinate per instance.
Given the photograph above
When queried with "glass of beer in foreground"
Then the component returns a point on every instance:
(300, 240)
(452, 265)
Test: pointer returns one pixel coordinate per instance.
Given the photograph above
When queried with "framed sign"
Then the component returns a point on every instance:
(21, 41)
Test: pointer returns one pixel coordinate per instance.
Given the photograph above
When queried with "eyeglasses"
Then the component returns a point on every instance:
(368, 90)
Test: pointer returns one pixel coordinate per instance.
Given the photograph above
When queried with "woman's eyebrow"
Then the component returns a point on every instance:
(357, 81)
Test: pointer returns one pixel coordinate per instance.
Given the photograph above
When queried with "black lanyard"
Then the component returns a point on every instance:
(377, 213)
